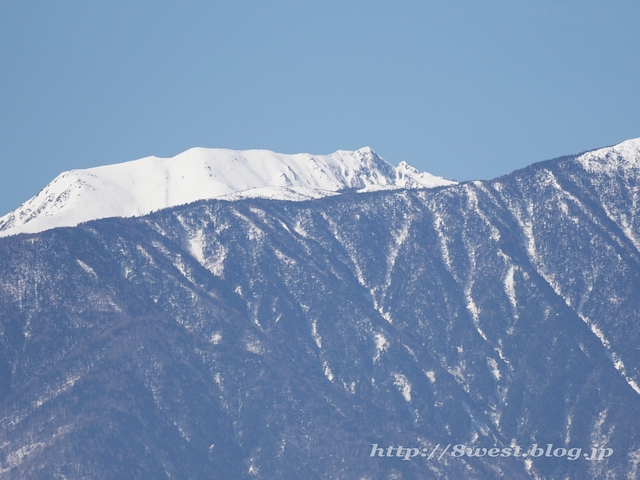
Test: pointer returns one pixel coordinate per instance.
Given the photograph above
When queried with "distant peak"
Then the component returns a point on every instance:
(149, 184)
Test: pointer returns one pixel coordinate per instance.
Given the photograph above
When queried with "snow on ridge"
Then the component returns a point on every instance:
(149, 184)
(623, 156)
(411, 177)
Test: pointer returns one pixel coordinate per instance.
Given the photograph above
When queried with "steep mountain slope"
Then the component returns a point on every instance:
(272, 339)
(143, 186)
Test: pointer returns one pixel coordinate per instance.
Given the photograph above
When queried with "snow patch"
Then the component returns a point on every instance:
(381, 345)
(52, 393)
(493, 365)
(400, 381)
(617, 361)
(86, 268)
(254, 346)
(215, 338)
(314, 333)
(509, 288)
(327, 371)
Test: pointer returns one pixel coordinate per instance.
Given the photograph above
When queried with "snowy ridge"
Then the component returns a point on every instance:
(623, 156)
(142, 186)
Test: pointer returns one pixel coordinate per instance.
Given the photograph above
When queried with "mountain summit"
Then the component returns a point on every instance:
(142, 186)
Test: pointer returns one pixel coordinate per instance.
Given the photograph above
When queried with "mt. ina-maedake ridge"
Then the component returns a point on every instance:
(268, 338)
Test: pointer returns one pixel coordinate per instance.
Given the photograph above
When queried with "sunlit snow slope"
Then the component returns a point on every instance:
(142, 186)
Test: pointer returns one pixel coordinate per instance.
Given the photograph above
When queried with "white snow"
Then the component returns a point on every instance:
(54, 392)
(634, 460)
(615, 358)
(314, 333)
(143, 186)
(439, 224)
(623, 156)
(410, 177)
(510, 290)
(493, 365)
(381, 346)
(327, 371)
(400, 236)
(253, 345)
(86, 268)
(400, 381)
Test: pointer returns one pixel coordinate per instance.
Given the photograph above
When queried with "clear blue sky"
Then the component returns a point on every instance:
(463, 89)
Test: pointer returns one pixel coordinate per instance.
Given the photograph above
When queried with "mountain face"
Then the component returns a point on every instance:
(262, 338)
(143, 186)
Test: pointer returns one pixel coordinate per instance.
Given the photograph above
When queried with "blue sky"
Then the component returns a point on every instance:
(462, 89)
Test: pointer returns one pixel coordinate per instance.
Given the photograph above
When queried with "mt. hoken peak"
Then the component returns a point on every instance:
(142, 186)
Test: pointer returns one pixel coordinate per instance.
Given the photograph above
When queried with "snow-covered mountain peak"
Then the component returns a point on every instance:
(623, 156)
(142, 186)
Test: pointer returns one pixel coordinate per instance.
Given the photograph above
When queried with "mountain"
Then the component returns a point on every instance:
(264, 338)
(142, 186)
